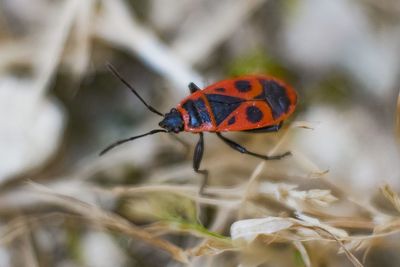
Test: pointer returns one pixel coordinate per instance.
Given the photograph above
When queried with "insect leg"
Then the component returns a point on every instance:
(243, 150)
(268, 129)
(197, 157)
(193, 88)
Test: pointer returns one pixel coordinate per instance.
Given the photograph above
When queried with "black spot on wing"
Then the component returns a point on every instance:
(254, 114)
(243, 86)
(232, 120)
(276, 97)
(222, 105)
(220, 89)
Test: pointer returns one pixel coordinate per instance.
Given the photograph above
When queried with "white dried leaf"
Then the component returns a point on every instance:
(251, 228)
(279, 190)
(307, 228)
(297, 199)
(314, 222)
(315, 196)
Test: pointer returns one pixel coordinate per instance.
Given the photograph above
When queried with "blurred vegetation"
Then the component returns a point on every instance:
(334, 202)
(258, 61)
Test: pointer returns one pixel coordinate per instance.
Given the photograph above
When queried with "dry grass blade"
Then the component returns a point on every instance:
(229, 193)
(184, 227)
(27, 251)
(334, 233)
(119, 27)
(21, 225)
(398, 118)
(229, 199)
(80, 54)
(289, 229)
(211, 247)
(257, 171)
(303, 252)
(109, 220)
(20, 228)
(55, 39)
(14, 229)
(392, 196)
(349, 255)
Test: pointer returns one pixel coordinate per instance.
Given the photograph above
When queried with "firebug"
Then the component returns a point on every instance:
(253, 103)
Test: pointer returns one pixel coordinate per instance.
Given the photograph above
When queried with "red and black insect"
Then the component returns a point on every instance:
(254, 103)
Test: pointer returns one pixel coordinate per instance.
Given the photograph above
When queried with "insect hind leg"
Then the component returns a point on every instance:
(267, 129)
(197, 157)
(243, 150)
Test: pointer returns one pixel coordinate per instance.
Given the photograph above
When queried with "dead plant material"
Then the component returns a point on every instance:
(110, 221)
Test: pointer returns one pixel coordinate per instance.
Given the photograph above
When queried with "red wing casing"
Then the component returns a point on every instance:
(244, 103)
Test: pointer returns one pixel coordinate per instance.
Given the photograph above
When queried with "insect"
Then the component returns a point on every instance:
(252, 103)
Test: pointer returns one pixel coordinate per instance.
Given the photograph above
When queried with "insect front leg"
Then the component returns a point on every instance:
(197, 157)
(193, 88)
(243, 150)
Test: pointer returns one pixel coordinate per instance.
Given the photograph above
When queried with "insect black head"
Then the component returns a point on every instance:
(172, 121)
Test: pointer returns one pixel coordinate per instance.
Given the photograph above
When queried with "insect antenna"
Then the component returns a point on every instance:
(119, 142)
(115, 72)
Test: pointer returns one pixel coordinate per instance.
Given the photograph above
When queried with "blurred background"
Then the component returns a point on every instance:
(332, 203)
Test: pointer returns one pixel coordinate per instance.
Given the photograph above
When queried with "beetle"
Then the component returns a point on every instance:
(252, 103)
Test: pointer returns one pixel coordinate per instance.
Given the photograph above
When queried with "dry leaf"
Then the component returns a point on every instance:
(211, 247)
(109, 220)
(296, 199)
(251, 228)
